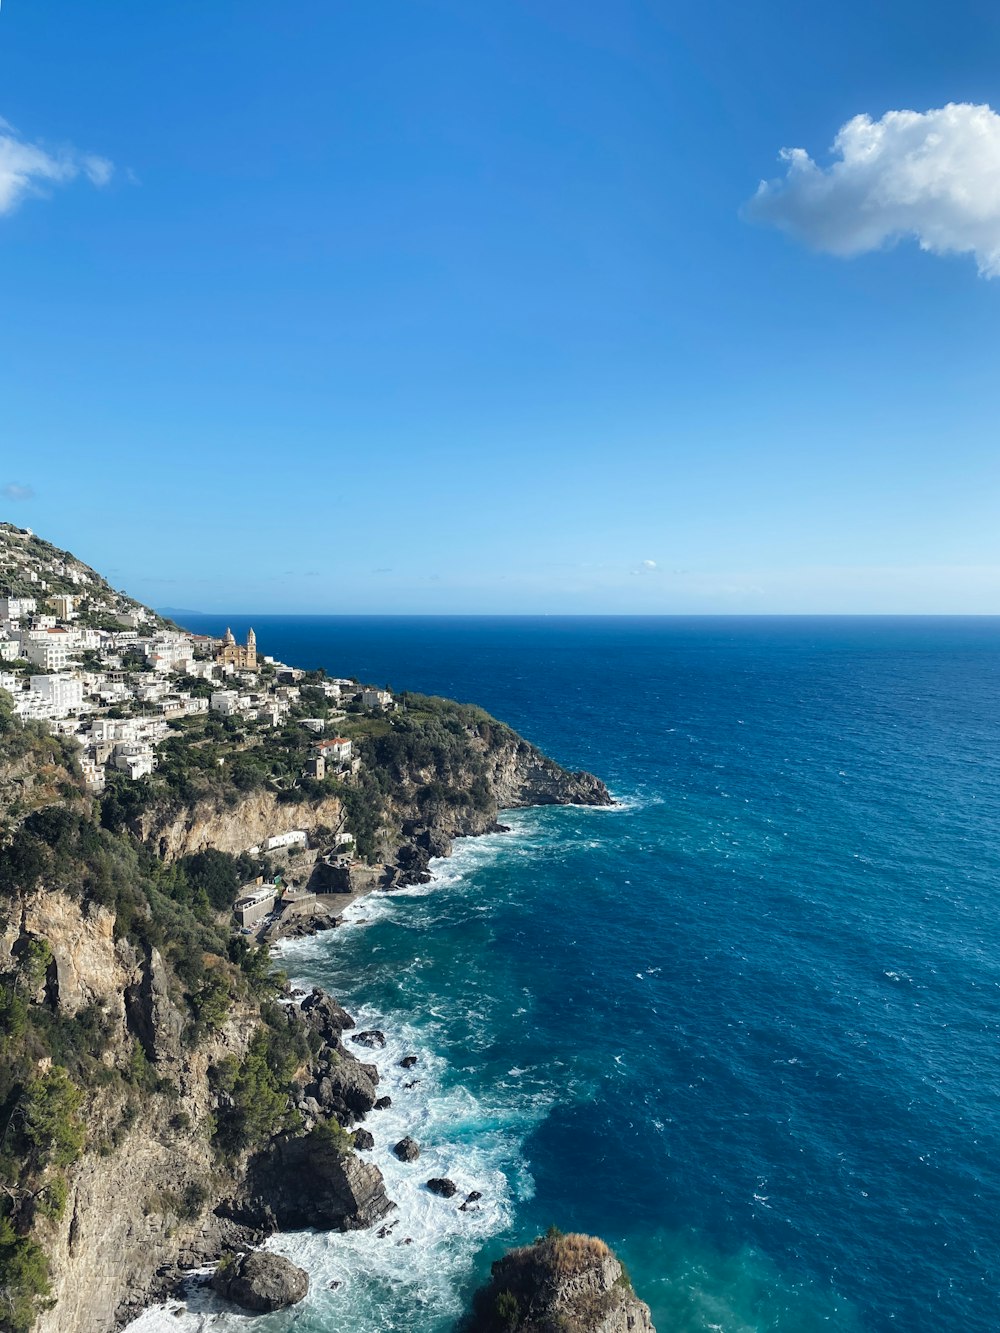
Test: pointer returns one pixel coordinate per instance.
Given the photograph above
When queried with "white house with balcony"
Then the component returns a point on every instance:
(13, 608)
(134, 759)
(64, 693)
(226, 702)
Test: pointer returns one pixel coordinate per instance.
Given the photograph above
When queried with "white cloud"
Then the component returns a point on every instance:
(932, 175)
(28, 169)
(15, 491)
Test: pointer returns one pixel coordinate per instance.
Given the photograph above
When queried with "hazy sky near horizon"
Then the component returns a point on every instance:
(482, 307)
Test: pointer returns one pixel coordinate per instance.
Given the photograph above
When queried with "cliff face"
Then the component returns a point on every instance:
(131, 1201)
(507, 772)
(151, 1191)
(233, 825)
(560, 1284)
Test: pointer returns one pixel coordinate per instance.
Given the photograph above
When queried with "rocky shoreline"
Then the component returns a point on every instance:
(315, 1179)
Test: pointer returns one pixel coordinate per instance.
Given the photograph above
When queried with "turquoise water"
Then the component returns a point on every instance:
(744, 1026)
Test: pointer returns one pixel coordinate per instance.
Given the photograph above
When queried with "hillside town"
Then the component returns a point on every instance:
(97, 666)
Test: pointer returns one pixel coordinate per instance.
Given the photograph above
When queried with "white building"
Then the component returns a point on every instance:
(64, 693)
(376, 698)
(226, 702)
(48, 649)
(269, 713)
(134, 758)
(294, 838)
(13, 608)
(93, 773)
(105, 729)
(10, 650)
(30, 706)
(338, 750)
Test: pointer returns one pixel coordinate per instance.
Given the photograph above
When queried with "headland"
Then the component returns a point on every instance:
(170, 804)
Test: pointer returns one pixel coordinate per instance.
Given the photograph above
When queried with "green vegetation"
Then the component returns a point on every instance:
(24, 1279)
(44, 1132)
(52, 1065)
(255, 1093)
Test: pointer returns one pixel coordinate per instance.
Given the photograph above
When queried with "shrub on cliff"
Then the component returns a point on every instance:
(24, 1279)
(254, 1095)
(50, 1123)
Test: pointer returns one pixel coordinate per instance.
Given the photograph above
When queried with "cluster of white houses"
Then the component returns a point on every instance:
(117, 689)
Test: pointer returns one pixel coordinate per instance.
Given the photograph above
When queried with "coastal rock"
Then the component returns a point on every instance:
(443, 1186)
(374, 1039)
(571, 1282)
(325, 1015)
(301, 927)
(472, 1197)
(346, 1092)
(407, 1150)
(261, 1282)
(363, 1139)
(412, 862)
(314, 1182)
(407, 1062)
(383, 1103)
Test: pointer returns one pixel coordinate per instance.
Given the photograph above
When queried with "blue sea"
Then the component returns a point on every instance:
(744, 1025)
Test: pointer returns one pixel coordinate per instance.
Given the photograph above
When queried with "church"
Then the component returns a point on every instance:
(235, 654)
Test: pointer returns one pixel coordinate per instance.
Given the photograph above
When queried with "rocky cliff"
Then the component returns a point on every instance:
(460, 790)
(155, 1187)
(560, 1284)
(232, 824)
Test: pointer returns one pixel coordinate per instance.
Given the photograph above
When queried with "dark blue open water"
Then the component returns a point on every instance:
(746, 1025)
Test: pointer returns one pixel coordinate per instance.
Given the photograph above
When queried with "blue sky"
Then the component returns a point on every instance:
(465, 307)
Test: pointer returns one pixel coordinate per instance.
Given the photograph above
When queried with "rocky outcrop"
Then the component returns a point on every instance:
(344, 1089)
(315, 1181)
(560, 1284)
(260, 1282)
(407, 1150)
(373, 1039)
(151, 1196)
(516, 775)
(152, 1015)
(88, 964)
(328, 1017)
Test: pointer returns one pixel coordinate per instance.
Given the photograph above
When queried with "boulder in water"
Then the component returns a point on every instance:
(373, 1039)
(569, 1282)
(443, 1186)
(260, 1281)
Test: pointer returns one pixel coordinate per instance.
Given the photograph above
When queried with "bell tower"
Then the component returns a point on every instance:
(252, 650)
